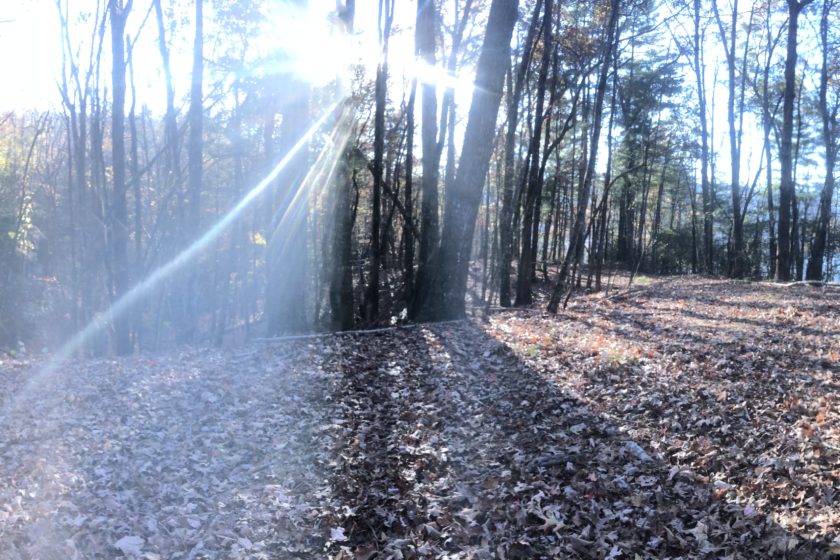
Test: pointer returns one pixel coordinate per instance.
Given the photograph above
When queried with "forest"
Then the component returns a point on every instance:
(662, 138)
(420, 278)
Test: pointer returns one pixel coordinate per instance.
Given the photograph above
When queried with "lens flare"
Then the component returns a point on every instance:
(441, 79)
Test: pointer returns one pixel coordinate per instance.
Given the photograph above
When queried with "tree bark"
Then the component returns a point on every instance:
(408, 239)
(195, 164)
(372, 295)
(445, 299)
(429, 223)
(514, 95)
(787, 190)
(705, 186)
(526, 258)
(829, 136)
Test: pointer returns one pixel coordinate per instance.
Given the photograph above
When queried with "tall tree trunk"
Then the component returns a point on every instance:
(767, 125)
(829, 135)
(118, 221)
(657, 216)
(771, 211)
(797, 225)
(195, 156)
(705, 186)
(534, 185)
(172, 155)
(601, 238)
(429, 223)
(138, 199)
(372, 295)
(341, 285)
(230, 268)
(408, 255)
(514, 94)
(737, 267)
(787, 190)
(446, 297)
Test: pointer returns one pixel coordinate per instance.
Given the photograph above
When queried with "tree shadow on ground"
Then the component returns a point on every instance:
(452, 446)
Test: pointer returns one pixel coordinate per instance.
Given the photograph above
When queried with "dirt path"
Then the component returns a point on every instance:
(695, 419)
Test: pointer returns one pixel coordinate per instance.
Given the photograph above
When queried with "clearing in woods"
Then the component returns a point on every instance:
(693, 418)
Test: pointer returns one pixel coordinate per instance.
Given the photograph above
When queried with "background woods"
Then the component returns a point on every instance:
(402, 160)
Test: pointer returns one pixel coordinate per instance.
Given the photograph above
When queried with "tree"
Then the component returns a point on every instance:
(535, 177)
(173, 149)
(705, 186)
(578, 229)
(769, 108)
(341, 283)
(514, 95)
(429, 225)
(828, 116)
(118, 223)
(195, 162)
(445, 296)
(386, 18)
(737, 267)
(787, 189)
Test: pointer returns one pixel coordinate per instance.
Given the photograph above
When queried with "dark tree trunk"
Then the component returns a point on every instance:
(429, 206)
(534, 185)
(829, 135)
(514, 95)
(767, 125)
(787, 190)
(445, 299)
(408, 255)
(137, 193)
(708, 198)
(657, 217)
(737, 257)
(797, 225)
(377, 168)
(195, 164)
(172, 157)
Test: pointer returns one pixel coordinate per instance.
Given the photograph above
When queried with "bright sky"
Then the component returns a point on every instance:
(32, 27)
(29, 41)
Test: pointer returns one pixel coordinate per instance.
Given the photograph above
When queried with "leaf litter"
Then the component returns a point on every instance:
(694, 419)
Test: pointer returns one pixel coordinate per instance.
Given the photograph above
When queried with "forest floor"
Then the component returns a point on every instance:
(692, 418)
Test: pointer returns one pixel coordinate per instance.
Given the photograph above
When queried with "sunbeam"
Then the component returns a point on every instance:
(124, 303)
(319, 175)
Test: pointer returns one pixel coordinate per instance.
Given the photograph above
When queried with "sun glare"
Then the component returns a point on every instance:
(442, 80)
(336, 137)
(311, 41)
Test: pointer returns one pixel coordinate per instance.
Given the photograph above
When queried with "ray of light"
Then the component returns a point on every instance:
(124, 303)
(320, 175)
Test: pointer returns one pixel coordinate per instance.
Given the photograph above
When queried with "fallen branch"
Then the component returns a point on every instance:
(812, 283)
(353, 332)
